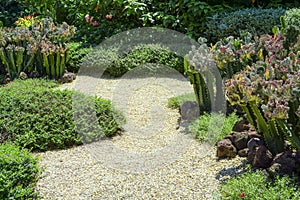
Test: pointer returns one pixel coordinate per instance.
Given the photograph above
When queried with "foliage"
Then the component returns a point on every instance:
(143, 54)
(291, 17)
(41, 48)
(175, 102)
(252, 20)
(268, 92)
(257, 185)
(10, 10)
(212, 127)
(40, 118)
(75, 56)
(19, 172)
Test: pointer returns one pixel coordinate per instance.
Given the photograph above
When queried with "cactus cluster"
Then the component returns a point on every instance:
(268, 92)
(201, 69)
(41, 48)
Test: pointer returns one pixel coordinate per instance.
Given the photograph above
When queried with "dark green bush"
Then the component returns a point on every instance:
(18, 173)
(257, 185)
(40, 118)
(252, 20)
(143, 54)
(10, 10)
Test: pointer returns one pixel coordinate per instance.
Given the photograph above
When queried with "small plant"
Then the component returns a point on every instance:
(40, 118)
(257, 185)
(175, 102)
(19, 173)
(213, 127)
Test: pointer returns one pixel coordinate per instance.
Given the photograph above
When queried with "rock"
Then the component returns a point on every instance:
(34, 74)
(285, 163)
(243, 152)
(225, 149)
(228, 137)
(67, 77)
(253, 143)
(253, 134)
(261, 157)
(240, 126)
(189, 110)
(240, 140)
(23, 75)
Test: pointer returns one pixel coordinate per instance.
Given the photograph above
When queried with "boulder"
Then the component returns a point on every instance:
(243, 152)
(258, 156)
(285, 163)
(241, 126)
(67, 77)
(189, 110)
(226, 149)
(240, 140)
(23, 76)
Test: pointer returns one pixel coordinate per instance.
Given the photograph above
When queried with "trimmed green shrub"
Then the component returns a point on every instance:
(252, 20)
(75, 56)
(18, 173)
(143, 54)
(213, 127)
(40, 118)
(257, 185)
(291, 17)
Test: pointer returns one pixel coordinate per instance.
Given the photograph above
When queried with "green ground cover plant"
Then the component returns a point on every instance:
(257, 185)
(18, 173)
(34, 116)
(212, 127)
(175, 102)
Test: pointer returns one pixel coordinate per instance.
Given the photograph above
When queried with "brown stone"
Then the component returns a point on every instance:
(243, 152)
(225, 149)
(262, 157)
(189, 110)
(285, 163)
(240, 126)
(240, 140)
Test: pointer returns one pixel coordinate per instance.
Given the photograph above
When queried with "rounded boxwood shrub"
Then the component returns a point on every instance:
(252, 20)
(143, 54)
(291, 17)
(40, 118)
(18, 173)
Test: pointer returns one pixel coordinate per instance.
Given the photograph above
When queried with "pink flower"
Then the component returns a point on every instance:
(95, 23)
(87, 18)
(109, 16)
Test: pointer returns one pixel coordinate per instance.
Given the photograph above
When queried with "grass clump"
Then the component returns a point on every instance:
(257, 185)
(18, 173)
(212, 127)
(34, 116)
(175, 102)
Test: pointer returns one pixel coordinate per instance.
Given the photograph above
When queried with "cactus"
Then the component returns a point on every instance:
(201, 69)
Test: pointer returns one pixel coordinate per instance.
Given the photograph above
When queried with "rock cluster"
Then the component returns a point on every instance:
(245, 142)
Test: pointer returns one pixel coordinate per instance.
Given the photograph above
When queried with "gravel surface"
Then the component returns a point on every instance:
(152, 159)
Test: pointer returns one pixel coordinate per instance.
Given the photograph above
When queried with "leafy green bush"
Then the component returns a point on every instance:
(75, 56)
(252, 20)
(143, 54)
(18, 173)
(175, 102)
(40, 118)
(213, 127)
(291, 17)
(257, 185)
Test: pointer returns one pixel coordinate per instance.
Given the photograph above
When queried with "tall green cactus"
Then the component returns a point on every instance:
(200, 88)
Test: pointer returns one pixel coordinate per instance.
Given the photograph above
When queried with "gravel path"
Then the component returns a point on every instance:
(152, 159)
